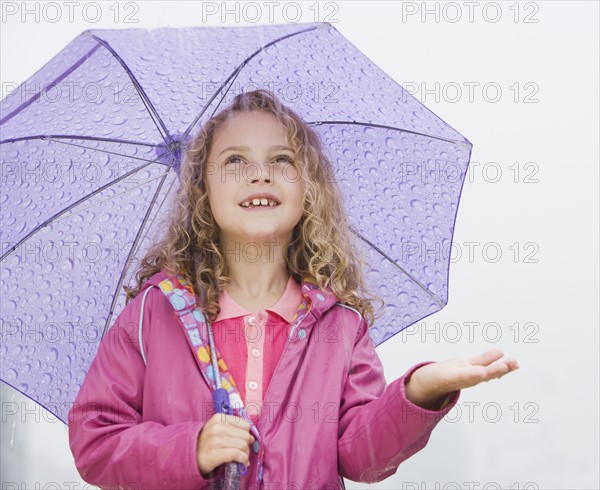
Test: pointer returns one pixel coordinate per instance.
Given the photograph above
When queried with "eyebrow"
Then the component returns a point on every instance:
(245, 148)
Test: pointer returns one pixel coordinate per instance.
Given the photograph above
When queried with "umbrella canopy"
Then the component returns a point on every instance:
(91, 146)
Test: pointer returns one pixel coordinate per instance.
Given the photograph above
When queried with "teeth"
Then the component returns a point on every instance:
(259, 202)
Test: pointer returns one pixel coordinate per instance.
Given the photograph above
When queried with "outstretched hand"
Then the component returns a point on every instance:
(432, 381)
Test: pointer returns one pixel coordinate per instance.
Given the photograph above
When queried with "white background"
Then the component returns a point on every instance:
(538, 425)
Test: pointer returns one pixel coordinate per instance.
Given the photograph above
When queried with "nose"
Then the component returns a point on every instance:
(256, 171)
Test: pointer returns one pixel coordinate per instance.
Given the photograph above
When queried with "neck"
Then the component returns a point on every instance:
(257, 272)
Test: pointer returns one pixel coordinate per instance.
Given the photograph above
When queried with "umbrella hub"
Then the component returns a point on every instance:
(171, 153)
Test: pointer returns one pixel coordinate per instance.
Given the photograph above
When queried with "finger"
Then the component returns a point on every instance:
(511, 365)
(486, 358)
(242, 434)
(497, 370)
(222, 418)
(235, 430)
(237, 421)
(242, 429)
(236, 455)
(235, 444)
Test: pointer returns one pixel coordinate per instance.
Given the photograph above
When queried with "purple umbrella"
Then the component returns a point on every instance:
(91, 146)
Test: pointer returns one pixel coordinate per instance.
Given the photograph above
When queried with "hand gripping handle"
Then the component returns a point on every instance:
(233, 470)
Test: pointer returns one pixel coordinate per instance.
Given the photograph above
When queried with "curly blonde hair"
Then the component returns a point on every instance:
(321, 247)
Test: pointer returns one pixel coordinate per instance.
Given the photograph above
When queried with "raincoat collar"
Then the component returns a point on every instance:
(320, 301)
(285, 307)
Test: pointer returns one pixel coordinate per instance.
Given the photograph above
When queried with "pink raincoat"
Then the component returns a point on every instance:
(328, 412)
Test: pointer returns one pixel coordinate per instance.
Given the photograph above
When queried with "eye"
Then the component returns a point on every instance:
(285, 157)
(233, 157)
(239, 157)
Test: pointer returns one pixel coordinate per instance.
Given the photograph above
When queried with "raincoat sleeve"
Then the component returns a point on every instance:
(379, 427)
(111, 445)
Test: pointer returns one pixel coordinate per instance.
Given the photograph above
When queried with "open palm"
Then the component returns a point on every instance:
(439, 378)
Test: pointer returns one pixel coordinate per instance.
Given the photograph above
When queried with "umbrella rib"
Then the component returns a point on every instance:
(78, 137)
(383, 126)
(106, 151)
(233, 78)
(413, 278)
(132, 251)
(61, 77)
(68, 208)
(43, 137)
(111, 197)
(236, 72)
(146, 101)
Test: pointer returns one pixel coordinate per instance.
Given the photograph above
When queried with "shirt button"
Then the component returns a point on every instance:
(262, 315)
(255, 352)
(253, 385)
(251, 319)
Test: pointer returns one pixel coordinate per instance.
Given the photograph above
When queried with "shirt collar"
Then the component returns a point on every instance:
(286, 307)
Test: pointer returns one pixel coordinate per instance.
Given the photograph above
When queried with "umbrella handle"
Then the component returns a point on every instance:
(233, 470)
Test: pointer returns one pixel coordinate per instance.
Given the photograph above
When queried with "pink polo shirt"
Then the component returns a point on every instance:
(252, 342)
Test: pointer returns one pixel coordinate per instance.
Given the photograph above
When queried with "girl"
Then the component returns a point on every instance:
(258, 262)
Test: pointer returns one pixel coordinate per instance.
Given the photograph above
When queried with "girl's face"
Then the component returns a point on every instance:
(250, 155)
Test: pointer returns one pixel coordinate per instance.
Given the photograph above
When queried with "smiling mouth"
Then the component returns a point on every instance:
(259, 206)
(263, 202)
